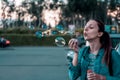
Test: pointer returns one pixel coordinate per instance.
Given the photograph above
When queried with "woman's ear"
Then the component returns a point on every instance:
(100, 34)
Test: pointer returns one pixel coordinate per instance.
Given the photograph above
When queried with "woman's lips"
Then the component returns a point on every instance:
(85, 34)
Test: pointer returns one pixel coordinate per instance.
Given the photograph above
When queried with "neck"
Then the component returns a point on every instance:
(95, 45)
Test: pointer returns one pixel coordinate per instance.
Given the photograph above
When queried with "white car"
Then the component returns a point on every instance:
(118, 48)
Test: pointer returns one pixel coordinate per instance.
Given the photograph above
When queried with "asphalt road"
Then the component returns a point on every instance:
(33, 63)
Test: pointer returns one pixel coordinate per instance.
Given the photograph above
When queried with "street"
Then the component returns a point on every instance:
(33, 63)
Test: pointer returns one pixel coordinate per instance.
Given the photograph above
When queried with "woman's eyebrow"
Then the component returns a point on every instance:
(88, 25)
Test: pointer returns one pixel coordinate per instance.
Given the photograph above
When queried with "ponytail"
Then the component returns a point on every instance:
(105, 40)
(106, 44)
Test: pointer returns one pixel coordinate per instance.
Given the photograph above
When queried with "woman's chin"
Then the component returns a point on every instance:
(86, 39)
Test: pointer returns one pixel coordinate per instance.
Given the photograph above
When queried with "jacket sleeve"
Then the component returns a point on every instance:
(115, 66)
(75, 71)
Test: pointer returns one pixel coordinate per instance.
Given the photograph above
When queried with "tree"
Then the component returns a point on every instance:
(84, 7)
(81, 11)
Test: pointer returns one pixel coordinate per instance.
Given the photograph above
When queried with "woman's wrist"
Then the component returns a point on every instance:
(75, 59)
(76, 52)
(102, 78)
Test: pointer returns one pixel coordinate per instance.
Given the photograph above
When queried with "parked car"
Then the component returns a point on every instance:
(4, 42)
(118, 48)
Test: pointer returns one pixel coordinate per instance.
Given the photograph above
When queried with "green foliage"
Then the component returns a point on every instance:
(21, 30)
(32, 40)
(82, 6)
(79, 30)
(112, 4)
(27, 37)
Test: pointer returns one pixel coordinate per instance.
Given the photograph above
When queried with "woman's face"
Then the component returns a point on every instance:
(91, 30)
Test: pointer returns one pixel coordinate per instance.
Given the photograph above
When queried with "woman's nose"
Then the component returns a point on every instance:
(85, 29)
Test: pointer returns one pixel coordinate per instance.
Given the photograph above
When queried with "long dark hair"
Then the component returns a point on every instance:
(105, 40)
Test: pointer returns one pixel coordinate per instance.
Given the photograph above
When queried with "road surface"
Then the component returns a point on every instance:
(33, 63)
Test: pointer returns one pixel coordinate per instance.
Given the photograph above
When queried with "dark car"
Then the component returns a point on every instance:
(4, 42)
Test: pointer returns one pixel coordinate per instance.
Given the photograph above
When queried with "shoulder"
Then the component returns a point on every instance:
(83, 50)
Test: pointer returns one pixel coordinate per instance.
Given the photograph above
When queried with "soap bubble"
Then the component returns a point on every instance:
(44, 27)
(31, 27)
(70, 55)
(38, 34)
(60, 28)
(60, 41)
(54, 32)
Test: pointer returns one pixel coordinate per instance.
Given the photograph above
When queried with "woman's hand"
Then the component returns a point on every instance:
(93, 76)
(73, 44)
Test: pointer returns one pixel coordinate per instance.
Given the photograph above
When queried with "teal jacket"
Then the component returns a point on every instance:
(81, 69)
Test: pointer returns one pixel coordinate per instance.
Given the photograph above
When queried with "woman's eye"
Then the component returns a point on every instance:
(91, 27)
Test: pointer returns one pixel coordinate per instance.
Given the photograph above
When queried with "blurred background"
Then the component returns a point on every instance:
(34, 35)
(23, 21)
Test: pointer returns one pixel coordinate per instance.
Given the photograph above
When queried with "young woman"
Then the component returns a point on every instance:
(98, 61)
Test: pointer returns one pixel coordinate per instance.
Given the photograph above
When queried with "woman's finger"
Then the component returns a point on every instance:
(91, 76)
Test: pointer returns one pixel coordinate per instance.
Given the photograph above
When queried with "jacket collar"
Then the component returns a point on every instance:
(100, 52)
